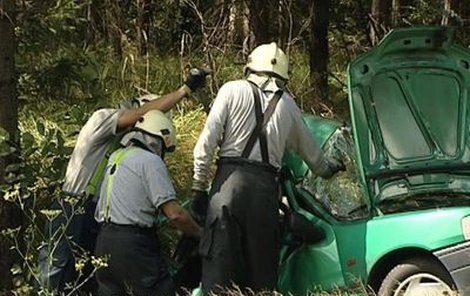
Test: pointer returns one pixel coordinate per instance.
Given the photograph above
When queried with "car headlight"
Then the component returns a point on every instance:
(466, 227)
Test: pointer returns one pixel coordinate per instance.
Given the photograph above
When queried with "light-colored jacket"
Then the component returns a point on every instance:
(232, 120)
(90, 148)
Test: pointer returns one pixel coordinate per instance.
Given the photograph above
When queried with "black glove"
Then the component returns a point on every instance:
(196, 78)
(188, 275)
(199, 205)
(335, 165)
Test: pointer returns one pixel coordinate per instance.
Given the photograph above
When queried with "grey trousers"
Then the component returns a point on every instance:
(135, 262)
(241, 235)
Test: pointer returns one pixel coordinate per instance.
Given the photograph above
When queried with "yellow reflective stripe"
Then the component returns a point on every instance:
(92, 186)
(119, 157)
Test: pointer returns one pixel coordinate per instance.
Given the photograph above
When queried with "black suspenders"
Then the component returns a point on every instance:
(261, 121)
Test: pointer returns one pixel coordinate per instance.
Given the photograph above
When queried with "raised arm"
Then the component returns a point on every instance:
(196, 79)
(130, 116)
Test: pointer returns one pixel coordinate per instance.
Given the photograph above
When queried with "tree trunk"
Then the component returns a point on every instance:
(396, 17)
(237, 17)
(450, 9)
(9, 214)
(245, 22)
(144, 21)
(112, 15)
(260, 21)
(319, 53)
(377, 23)
(285, 22)
(246, 30)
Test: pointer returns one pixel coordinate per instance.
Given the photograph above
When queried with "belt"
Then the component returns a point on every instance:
(244, 162)
(128, 228)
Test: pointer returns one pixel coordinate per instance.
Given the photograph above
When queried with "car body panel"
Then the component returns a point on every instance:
(318, 260)
(352, 249)
(427, 230)
(408, 101)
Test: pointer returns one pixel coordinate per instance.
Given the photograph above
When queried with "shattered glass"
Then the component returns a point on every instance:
(342, 195)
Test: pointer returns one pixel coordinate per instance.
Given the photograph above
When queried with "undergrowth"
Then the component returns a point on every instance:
(51, 117)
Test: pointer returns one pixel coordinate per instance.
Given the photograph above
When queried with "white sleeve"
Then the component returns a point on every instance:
(210, 137)
(101, 126)
(305, 145)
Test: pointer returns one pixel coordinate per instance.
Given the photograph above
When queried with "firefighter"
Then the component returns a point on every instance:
(252, 122)
(71, 230)
(136, 186)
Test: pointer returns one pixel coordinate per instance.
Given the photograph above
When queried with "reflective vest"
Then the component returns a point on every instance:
(119, 156)
(93, 188)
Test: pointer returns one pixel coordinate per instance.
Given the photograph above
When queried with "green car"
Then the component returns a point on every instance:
(398, 220)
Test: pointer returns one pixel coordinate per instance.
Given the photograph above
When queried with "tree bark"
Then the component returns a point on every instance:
(319, 52)
(396, 17)
(450, 8)
(236, 33)
(9, 214)
(260, 21)
(377, 23)
(144, 12)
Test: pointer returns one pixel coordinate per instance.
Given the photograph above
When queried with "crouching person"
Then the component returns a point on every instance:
(135, 188)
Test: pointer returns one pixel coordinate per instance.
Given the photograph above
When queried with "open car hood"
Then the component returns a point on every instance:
(409, 103)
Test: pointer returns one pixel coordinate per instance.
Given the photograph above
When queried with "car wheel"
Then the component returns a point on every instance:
(418, 276)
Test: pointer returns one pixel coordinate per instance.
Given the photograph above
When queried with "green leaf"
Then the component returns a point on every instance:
(3, 135)
(28, 140)
(41, 128)
(16, 269)
(104, 73)
(13, 168)
(5, 147)
(60, 139)
(89, 73)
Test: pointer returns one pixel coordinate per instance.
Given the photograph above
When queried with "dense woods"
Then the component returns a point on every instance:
(61, 59)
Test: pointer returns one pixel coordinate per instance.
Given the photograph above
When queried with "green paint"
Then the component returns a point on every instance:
(408, 101)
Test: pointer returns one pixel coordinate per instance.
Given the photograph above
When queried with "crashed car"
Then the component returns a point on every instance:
(398, 220)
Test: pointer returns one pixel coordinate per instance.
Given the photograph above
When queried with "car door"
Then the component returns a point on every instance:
(337, 206)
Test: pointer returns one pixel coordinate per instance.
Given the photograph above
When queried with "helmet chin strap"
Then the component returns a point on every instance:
(263, 79)
(148, 142)
(153, 144)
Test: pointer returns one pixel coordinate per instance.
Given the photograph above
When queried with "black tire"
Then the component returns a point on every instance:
(403, 271)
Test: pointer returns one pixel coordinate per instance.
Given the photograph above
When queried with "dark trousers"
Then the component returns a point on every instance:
(135, 263)
(241, 236)
(71, 233)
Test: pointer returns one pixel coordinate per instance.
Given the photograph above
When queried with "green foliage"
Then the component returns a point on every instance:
(31, 183)
(166, 28)
(76, 56)
(43, 142)
(426, 12)
(5, 148)
(47, 24)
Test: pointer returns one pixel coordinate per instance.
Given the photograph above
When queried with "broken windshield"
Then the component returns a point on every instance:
(343, 192)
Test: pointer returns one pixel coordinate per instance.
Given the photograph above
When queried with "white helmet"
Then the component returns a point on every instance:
(156, 123)
(269, 58)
